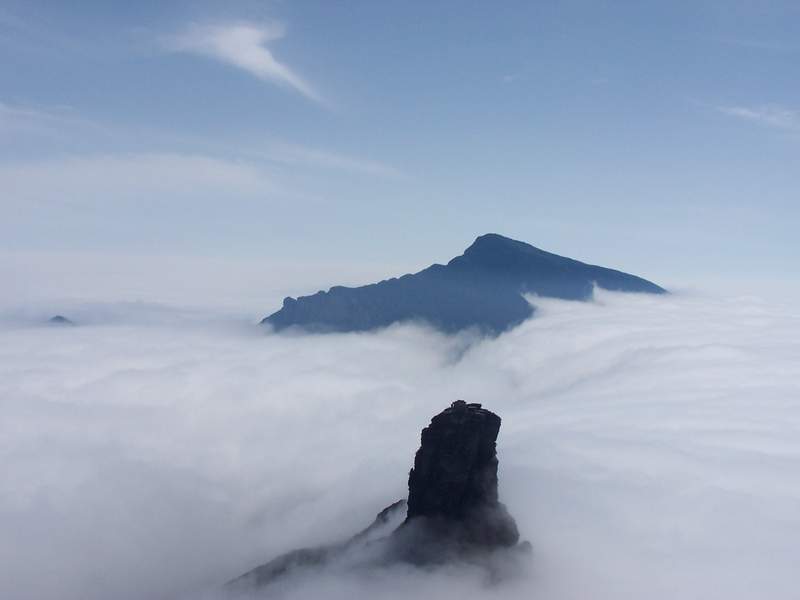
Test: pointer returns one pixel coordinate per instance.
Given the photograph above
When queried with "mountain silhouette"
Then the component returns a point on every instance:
(482, 288)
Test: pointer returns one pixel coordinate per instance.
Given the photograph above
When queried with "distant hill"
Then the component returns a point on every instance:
(482, 288)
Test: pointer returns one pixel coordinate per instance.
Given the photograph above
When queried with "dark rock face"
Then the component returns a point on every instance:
(482, 288)
(452, 513)
(454, 479)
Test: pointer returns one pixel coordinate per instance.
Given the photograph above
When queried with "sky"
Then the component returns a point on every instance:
(170, 170)
(303, 144)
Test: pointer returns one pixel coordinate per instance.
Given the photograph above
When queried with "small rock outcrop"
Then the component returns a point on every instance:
(452, 513)
(60, 320)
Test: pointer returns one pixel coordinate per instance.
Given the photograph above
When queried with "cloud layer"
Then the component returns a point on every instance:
(649, 449)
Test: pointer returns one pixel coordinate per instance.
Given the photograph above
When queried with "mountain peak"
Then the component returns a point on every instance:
(484, 288)
(494, 241)
(500, 253)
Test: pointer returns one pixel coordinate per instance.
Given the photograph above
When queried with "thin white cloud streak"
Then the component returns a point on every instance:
(649, 448)
(767, 45)
(17, 118)
(34, 122)
(243, 45)
(770, 115)
(302, 155)
(14, 117)
(114, 179)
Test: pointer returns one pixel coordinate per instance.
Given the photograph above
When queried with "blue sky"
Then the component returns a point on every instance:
(660, 138)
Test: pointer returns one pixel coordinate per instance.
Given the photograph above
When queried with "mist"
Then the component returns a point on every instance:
(650, 448)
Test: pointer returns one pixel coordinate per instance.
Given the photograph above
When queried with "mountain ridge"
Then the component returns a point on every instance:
(483, 288)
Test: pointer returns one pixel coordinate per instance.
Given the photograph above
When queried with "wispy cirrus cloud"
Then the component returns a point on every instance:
(768, 45)
(242, 45)
(128, 178)
(770, 115)
(28, 119)
(82, 134)
(14, 118)
(293, 154)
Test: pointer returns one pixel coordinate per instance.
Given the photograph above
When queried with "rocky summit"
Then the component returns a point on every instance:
(483, 288)
(452, 514)
(453, 485)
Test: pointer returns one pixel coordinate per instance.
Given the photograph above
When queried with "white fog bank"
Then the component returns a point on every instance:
(650, 448)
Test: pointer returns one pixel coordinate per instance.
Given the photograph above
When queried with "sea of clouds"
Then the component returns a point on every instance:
(650, 448)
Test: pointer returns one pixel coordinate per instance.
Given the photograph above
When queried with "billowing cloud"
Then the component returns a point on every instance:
(649, 449)
(243, 45)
